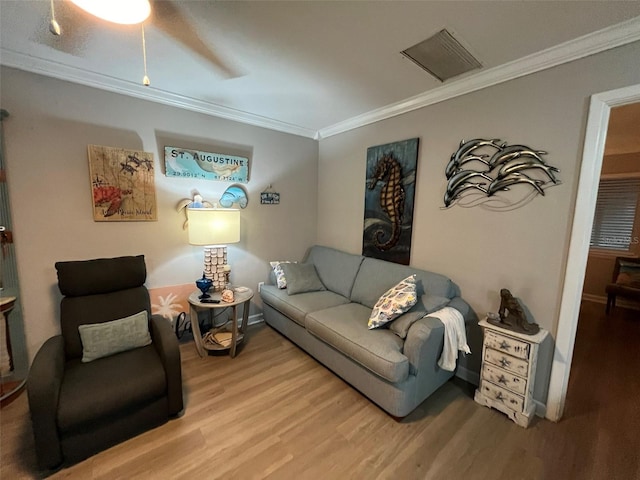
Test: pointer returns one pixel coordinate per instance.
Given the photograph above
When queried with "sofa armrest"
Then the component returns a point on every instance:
(463, 307)
(166, 344)
(43, 391)
(423, 345)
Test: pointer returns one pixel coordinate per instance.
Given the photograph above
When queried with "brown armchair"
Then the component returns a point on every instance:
(81, 405)
(625, 281)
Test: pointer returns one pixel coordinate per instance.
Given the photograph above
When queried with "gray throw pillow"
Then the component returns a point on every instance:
(426, 304)
(301, 278)
(104, 339)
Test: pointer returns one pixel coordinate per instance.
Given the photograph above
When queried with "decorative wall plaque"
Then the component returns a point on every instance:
(269, 197)
(181, 162)
(122, 184)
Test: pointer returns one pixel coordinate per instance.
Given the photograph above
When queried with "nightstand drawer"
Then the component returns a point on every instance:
(497, 394)
(507, 345)
(509, 363)
(504, 379)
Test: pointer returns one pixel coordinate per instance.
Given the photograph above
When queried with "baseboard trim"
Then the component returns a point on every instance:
(468, 376)
(590, 297)
(541, 408)
(255, 319)
(620, 301)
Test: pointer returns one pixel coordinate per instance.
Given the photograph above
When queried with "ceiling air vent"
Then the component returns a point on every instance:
(442, 56)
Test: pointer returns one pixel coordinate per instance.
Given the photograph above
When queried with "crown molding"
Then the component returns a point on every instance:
(57, 70)
(590, 44)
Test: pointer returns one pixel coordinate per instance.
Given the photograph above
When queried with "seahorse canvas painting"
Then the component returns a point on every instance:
(388, 200)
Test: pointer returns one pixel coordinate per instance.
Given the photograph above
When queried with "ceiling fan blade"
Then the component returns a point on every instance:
(168, 18)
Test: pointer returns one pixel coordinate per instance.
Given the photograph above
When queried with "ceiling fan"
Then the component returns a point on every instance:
(161, 14)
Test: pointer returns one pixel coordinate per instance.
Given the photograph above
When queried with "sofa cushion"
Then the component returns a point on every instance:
(301, 278)
(296, 307)
(394, 302)
(377, 276)
(345, 328)
(99, 389)
(336, 269)
(425, 305)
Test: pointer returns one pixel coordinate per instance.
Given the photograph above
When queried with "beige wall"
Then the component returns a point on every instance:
(524, 250)
(47, 134)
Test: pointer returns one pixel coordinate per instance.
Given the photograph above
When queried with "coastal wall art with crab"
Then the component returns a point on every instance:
(122, 184)
(389, 195)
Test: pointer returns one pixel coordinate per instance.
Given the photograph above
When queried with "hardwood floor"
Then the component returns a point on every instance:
(274, 412)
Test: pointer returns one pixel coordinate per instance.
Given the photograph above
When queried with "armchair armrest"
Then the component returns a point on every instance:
(423, 345)
(166, 345)
(43, 391)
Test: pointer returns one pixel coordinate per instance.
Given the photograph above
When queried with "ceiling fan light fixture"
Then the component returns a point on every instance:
(127, 12)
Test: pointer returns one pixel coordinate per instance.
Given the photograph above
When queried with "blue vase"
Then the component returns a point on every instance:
(204, 284)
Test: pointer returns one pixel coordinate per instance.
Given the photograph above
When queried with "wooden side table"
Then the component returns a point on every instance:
(508, 372)
(237, 335)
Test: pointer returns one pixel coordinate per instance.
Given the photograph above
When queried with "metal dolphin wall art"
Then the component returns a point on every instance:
(524, 163)
(506, 177)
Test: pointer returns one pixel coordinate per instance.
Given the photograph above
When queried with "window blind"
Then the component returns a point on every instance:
(613, 223)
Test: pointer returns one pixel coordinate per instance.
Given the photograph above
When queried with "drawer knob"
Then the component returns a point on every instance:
(502, 379)
(504, 362)
(499, 396)
(504, 345)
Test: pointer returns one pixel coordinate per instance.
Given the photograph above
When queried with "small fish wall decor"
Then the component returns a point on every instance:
(496, 176)
(234, 194)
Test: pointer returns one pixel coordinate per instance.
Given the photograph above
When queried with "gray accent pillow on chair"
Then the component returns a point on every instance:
(106, 338)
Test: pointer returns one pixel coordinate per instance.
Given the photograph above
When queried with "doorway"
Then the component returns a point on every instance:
(593, 152)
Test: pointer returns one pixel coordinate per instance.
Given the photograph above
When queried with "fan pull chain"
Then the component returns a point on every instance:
(54, 26)
(145, 80)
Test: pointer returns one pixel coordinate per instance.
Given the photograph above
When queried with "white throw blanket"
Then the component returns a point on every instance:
(455, 337)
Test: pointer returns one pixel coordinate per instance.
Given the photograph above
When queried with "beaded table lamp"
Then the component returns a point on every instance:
(215, 228)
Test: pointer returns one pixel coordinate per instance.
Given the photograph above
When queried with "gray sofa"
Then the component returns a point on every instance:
(331, 325)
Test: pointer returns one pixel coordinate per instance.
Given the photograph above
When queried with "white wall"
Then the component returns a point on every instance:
(524, 250)
(50, 125)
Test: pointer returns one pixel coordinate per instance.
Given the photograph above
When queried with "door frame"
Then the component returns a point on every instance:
(593, 152)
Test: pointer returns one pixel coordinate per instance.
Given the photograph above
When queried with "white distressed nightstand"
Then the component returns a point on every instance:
(508, 371)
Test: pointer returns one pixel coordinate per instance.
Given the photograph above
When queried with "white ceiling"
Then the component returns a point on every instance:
(306, 67)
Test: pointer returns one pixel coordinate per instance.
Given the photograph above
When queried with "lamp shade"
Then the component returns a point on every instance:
(213, 226)
(126, 12)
